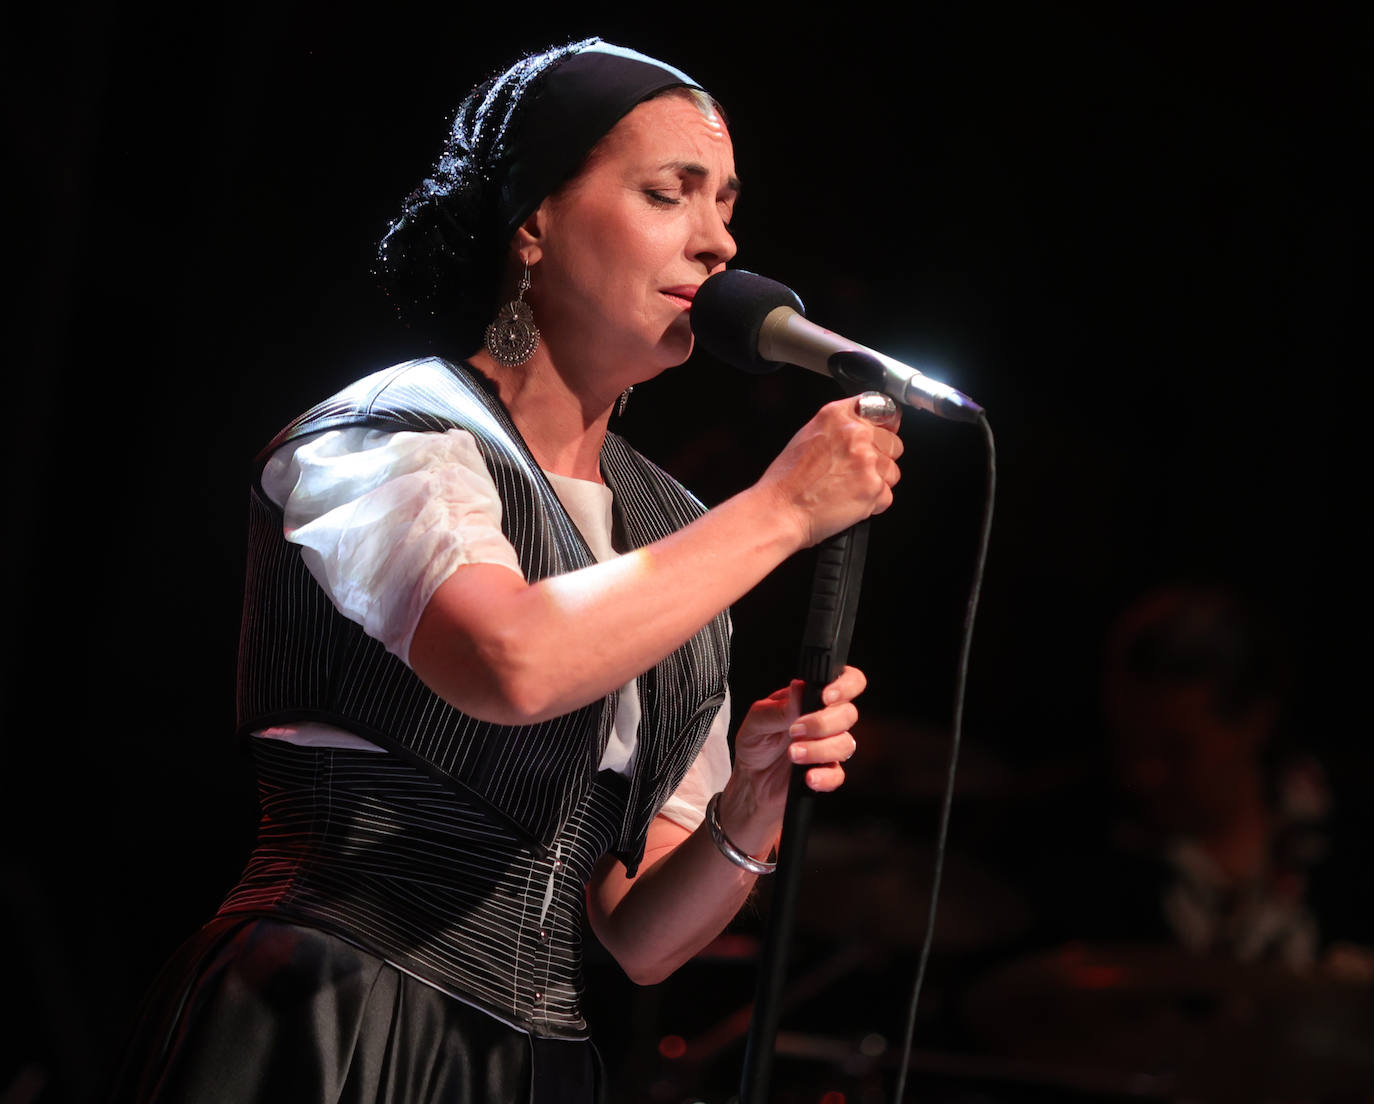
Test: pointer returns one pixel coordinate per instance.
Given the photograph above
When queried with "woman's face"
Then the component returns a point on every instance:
(622, 248)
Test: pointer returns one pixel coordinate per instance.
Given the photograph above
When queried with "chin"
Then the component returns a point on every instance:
(676, 345)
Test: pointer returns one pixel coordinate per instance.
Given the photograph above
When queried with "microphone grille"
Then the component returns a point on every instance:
(728, 312)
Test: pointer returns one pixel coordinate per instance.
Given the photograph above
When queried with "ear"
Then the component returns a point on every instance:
(528, 242)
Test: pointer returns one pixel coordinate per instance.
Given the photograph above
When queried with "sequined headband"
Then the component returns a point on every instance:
(577, 103)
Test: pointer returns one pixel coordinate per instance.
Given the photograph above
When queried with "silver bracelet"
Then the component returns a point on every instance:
(727, 846)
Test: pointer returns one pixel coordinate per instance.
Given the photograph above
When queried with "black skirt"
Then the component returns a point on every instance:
(258, 1010)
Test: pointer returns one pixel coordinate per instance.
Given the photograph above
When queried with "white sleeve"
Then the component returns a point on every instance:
(382, 518)
(707, 775)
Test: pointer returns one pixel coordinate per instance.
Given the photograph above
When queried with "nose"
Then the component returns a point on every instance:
(712, 243)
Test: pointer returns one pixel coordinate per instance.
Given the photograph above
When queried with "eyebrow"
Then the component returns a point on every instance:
(695, 168)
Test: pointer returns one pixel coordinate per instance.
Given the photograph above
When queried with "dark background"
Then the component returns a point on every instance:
(1133, 235)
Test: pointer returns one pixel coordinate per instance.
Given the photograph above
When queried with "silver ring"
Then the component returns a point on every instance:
(875, 407)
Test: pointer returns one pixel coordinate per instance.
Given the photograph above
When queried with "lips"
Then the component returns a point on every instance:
(683, 294)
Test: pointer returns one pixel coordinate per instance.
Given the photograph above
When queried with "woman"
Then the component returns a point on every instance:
(484, 653)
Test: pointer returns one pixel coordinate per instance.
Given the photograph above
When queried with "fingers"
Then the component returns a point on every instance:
(829, 754)
(825, 779)
(824, 738)
(848, 685)
(839, 748)
(875, 407)
(837, 470)
(775, 708)
(884, 426)
(775, 730)
(843, 416)
(762, 737)
(833, 720)
(824, 723)
(887, 447)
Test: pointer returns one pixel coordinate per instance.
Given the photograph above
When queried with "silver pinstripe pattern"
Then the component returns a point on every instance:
(533, 776)
(380, 853)
(462, 857)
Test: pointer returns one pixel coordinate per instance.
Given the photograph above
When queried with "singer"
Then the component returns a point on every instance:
(484, 658)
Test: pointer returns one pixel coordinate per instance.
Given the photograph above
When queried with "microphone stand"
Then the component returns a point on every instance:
(835, 589)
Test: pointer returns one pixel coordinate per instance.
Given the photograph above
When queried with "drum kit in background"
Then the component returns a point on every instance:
(1072, 1023)
(1178, 1026)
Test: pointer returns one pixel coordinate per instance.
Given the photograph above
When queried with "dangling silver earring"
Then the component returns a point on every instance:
(624, 401)
(512, 337)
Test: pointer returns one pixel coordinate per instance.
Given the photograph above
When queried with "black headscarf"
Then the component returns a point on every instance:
(516, 138)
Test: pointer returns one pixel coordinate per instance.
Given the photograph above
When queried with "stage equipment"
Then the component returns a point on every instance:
(756, 324)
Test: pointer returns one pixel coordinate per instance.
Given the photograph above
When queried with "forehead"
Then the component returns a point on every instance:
(668, 129)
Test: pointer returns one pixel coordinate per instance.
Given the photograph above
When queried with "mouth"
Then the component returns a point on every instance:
(681, 296)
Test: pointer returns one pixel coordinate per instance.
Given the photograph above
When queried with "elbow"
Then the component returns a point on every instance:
(497, 677)
(643, 970)
(645, 978)
(643, 960)
(525, 686)
(525, 703)
(646, 959)
(487, 645)
(516, 687)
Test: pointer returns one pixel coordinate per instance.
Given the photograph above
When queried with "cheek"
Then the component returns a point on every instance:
(631, 267)
(598, 255)
(609, 263)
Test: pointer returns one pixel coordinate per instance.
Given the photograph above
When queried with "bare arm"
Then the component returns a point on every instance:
(504, 650)
(686, 891)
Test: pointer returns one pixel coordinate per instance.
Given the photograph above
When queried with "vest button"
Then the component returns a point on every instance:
(543, 935)
(538, 998)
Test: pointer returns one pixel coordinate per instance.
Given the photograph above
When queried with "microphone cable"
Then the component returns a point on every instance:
(947, 801)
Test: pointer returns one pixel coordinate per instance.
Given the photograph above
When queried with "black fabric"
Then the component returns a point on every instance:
(255, 1010)
(577, 102)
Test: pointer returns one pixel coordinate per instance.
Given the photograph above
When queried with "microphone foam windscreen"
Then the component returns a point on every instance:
(728, 313)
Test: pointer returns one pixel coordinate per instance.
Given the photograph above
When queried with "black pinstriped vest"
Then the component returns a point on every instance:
(300, 659)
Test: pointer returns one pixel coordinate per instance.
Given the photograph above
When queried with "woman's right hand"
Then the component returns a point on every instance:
(837, 470)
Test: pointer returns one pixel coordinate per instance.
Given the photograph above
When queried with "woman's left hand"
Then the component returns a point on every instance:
(686, 892)
(775, 736)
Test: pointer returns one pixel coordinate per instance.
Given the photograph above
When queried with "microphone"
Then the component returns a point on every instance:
(756, 325)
